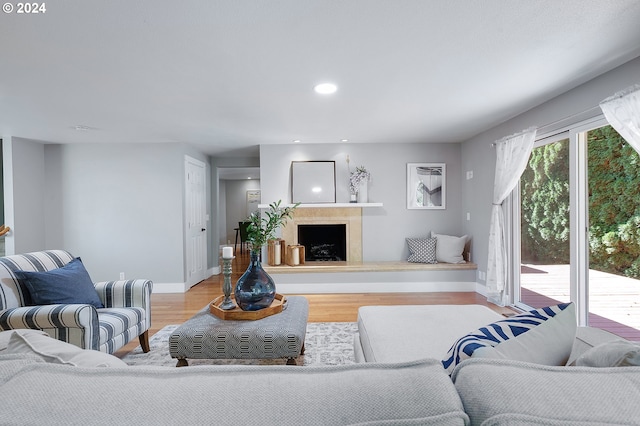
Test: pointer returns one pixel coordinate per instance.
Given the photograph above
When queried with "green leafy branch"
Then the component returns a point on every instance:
(262, 229)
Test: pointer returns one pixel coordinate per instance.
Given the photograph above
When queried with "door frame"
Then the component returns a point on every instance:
(195, 266)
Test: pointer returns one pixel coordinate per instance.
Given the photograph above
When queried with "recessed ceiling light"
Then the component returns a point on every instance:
(82, 128)
(296, 141)
(344, 140)
(325, 88)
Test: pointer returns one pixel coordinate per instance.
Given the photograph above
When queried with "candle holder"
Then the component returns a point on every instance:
(227, 304)
(295, 255)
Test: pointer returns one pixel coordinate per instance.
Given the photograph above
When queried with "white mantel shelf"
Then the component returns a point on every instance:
(326, 205)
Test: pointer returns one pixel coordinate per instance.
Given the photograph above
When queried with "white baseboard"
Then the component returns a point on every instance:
(376, 287)
(481, 289)
(181, 287)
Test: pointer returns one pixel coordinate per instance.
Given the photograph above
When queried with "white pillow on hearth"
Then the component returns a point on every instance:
(449, 248)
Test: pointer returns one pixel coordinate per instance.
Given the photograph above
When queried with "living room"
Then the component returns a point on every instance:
(94, 155)
(143, 201)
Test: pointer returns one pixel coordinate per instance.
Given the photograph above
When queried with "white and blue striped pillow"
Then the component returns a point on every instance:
(543, 336)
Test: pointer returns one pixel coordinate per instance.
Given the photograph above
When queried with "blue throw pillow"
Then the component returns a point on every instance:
(69, 284)
(542, 336)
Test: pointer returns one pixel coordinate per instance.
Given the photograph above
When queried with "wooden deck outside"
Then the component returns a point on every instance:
(614, 301)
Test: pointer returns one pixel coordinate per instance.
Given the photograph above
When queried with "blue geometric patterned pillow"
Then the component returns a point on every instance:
(544, 336)
(422, 250)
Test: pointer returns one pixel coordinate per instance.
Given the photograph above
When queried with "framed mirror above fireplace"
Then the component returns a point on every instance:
(313, 182)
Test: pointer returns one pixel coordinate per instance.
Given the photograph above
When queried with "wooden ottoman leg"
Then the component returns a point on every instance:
(291, 361)
(302, 349)
(182, 362)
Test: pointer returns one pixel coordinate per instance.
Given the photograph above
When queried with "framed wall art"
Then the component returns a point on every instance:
(253, 200)
(313, 182)
(426, 185)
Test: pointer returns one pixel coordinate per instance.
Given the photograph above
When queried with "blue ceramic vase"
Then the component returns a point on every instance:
(255, 289)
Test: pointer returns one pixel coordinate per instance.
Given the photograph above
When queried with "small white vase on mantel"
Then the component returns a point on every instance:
(363, 194)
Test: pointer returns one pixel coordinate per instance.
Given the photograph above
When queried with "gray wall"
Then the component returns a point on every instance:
(119, 207)
(24, 194)
(477, 155)
(384, 228)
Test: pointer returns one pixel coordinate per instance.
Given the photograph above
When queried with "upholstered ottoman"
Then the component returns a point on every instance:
(413, 332)
(206, 336)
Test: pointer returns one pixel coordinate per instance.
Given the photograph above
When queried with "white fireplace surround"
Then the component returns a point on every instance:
(349, 216)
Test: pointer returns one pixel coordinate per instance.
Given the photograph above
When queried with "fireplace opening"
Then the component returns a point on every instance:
(323, 243)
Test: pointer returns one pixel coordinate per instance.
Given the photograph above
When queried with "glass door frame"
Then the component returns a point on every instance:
(578, 223)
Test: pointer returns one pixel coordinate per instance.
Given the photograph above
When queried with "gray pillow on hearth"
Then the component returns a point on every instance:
(422, 250)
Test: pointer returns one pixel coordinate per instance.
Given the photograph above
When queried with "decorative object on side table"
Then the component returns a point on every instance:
(255, 289)
(358, 184)
(227, 258)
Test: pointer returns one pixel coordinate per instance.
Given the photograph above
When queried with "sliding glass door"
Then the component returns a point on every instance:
(579, 224)
(613, 168)
(545, 226)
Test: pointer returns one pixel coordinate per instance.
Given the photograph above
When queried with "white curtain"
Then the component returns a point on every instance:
(512, 155)
(622, 111)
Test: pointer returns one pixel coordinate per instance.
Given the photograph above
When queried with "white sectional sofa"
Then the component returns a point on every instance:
(503, 391)
(40, 391)
(46, 381)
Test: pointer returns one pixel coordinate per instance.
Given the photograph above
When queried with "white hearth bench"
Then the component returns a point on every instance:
(374, 277)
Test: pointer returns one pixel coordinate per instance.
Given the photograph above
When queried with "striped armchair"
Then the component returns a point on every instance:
(127, 311)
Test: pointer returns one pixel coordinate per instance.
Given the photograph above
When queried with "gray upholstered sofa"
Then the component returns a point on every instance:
(123, 312)
(45, 381)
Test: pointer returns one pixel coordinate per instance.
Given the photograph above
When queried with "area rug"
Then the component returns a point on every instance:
(326, 343)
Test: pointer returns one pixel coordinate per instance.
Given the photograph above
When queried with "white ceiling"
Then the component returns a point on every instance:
(228, 75)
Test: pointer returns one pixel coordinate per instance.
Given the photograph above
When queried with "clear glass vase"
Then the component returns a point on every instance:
(255, 289)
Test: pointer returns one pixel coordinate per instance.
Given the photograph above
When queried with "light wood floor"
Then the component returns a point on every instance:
(176, 308)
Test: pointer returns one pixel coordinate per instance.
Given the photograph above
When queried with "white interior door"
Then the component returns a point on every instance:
(196, 224)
